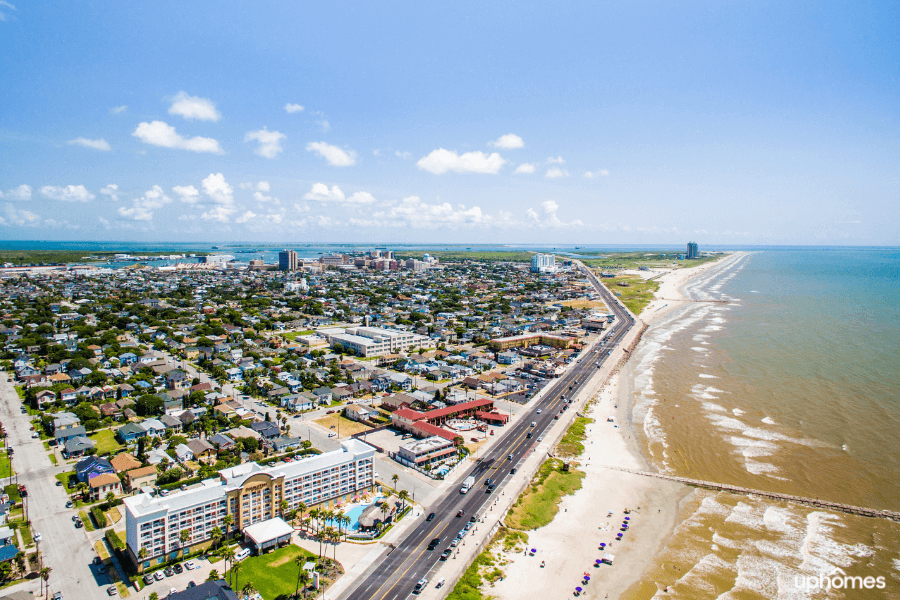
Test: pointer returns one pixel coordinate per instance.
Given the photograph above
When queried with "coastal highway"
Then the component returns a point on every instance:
(396, 574)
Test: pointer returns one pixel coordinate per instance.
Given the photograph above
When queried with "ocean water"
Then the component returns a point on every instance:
(783, 375)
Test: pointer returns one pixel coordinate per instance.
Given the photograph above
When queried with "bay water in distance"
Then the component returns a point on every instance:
(791, 385)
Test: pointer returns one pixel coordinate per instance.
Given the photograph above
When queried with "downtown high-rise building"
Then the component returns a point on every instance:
(543, 263)
(287, 260)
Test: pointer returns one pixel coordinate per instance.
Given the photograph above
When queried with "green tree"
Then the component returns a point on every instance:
(302, 574)
(183, 536)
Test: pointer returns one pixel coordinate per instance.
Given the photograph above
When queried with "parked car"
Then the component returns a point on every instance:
(79, 524)
(169, 571)
(430, 517)
(111, 590)
(446, 554)
(178, 568)
(148, 579)
(159, 576)
(420, 585)
(69, 504)
(189, 565)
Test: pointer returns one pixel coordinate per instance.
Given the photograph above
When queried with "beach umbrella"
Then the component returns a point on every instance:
(602, 545)
(627, 518)
(597, 562)
(587, 577)
(578, 589)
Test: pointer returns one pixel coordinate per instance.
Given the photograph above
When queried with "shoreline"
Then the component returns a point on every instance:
(569, 546)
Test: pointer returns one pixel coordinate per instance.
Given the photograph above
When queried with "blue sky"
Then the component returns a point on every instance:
(576, 122)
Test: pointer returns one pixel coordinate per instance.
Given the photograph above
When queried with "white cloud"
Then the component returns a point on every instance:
(403, 155)
(218, 189)
(23, 192)
(162, 134)
(592, 174)
(5, 5)
(413, 212)
(555, 172)
(263, 186)
(334, 155)
(246, 216)
(118, 110)
(245, 185)
(269, 142)
(440, 161)
(361, 198)
(525, 168)
(112, 191)
(144, 207)
(376, 152)
(70, 193)
(508, 142)
(220, 214)
(13, 216)
(292, 108)
(194, 108)
(321, 193)
(325, 125)
(549, 217)
(100, 144)
(188, 193)
(558, 160)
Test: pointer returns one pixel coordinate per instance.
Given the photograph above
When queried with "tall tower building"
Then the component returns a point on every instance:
(287, 260)
(693, 251)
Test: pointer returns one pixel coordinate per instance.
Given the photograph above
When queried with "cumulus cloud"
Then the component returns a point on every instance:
(525, 168)
(413, 212)
(70, 193)
(321, 193)
(592, 174)
(118, 110)
(292, 108)
(111, 191)
(23, 192)
(403, 155)
(246, 216)
(159, 133)
(263, 186)
(269, 142)
(508, 142)
(335, 156)
(218, 189)
(143, 208)
(549, 218)
(556, 172)
(100, 144)
(219, 214)
(558, 160)
(187, 193)
(14, 217)
(194, 108)
(440, 161)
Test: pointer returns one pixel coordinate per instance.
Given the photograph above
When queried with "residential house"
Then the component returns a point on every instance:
(285, 444)
(123, 461)
(92, 466)
(68, 395)
(44, 397)
(323, 395)
(183, 454)
(101, 485)
(177, 380)
(135, 479)
(298, 402)
(153, 427)
(265, 429)
(202, 450)
(78, 446)
(171, 423)
(64, 435)
(359, 412)
(130, 432)
(221, 441)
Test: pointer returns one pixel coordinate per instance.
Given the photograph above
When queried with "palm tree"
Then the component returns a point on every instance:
(320, 536)
(183, 536)
(227, 521)
(404, 496)
(301, 508)
(283, 506)
(45, 576)
(216, 535)
(395, 478)
(154, 596)
(335, 536)
(81, 488)
(228, 555)
(248, 590)
(346, 520)
(236, 570)
(302, 575)
(142, 554)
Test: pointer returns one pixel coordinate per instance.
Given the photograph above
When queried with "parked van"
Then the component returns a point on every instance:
(242, 554)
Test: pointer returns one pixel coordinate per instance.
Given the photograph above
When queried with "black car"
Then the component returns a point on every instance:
(488, 481)
(512, 471)
(178, 568)
(491, 488)
(529, 434)
(434, 543)
(446, 554)
(430, 517)
(148, 579)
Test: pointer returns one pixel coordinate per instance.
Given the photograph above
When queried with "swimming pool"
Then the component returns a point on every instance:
(353, 512)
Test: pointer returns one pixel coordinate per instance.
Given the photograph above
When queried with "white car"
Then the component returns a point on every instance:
(38, 537)
(332, 434)
(539, 411)
(189, 565)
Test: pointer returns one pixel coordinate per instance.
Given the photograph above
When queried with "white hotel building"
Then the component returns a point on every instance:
(375, 341)
(250, 493)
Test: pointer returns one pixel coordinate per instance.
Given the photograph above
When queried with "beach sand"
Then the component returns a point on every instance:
(570, 544)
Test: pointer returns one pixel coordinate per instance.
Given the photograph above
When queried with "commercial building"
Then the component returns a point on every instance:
(543, 263)
(287, 260)
(375, 341)
(419, 453)
(249, 493)
(693, 250)
(529, 339)
(217, 260)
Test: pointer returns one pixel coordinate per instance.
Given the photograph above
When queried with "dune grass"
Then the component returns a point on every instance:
(539, 503)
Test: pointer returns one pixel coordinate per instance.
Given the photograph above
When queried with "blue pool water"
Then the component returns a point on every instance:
(354, 512)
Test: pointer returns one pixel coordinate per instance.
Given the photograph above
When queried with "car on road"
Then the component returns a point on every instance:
(512, 472)
(473, 518)
(191, 584)
(459, 513)
(539, 411)
(79, 524)
(58, 483)
(434, 543)
(455, 542)
(488, 481)
(332, 434)
(35, 435)
(159, 576)
(430, 517)
(163, 492)
(509, 457)
(446, 554)
(38, 537)
(491, 487)
(178, 568)
(420, 585)
(57, 596)
(529, 435)
(189, 565)
(330, 412)
(183, 487)
(112, 591)
(148, 579)
(540, 438)
(69, 504)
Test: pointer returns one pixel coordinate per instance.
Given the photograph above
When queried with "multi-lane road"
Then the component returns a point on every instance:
(396, 575)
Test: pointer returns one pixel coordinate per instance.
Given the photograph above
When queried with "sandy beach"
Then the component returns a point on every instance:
(570, 545)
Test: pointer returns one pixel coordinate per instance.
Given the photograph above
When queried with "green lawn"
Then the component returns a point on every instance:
(69, 481)
(106, 441)
(539, 503)
(570, 444)
(273, 574)
(4, 466)
(636, 295)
